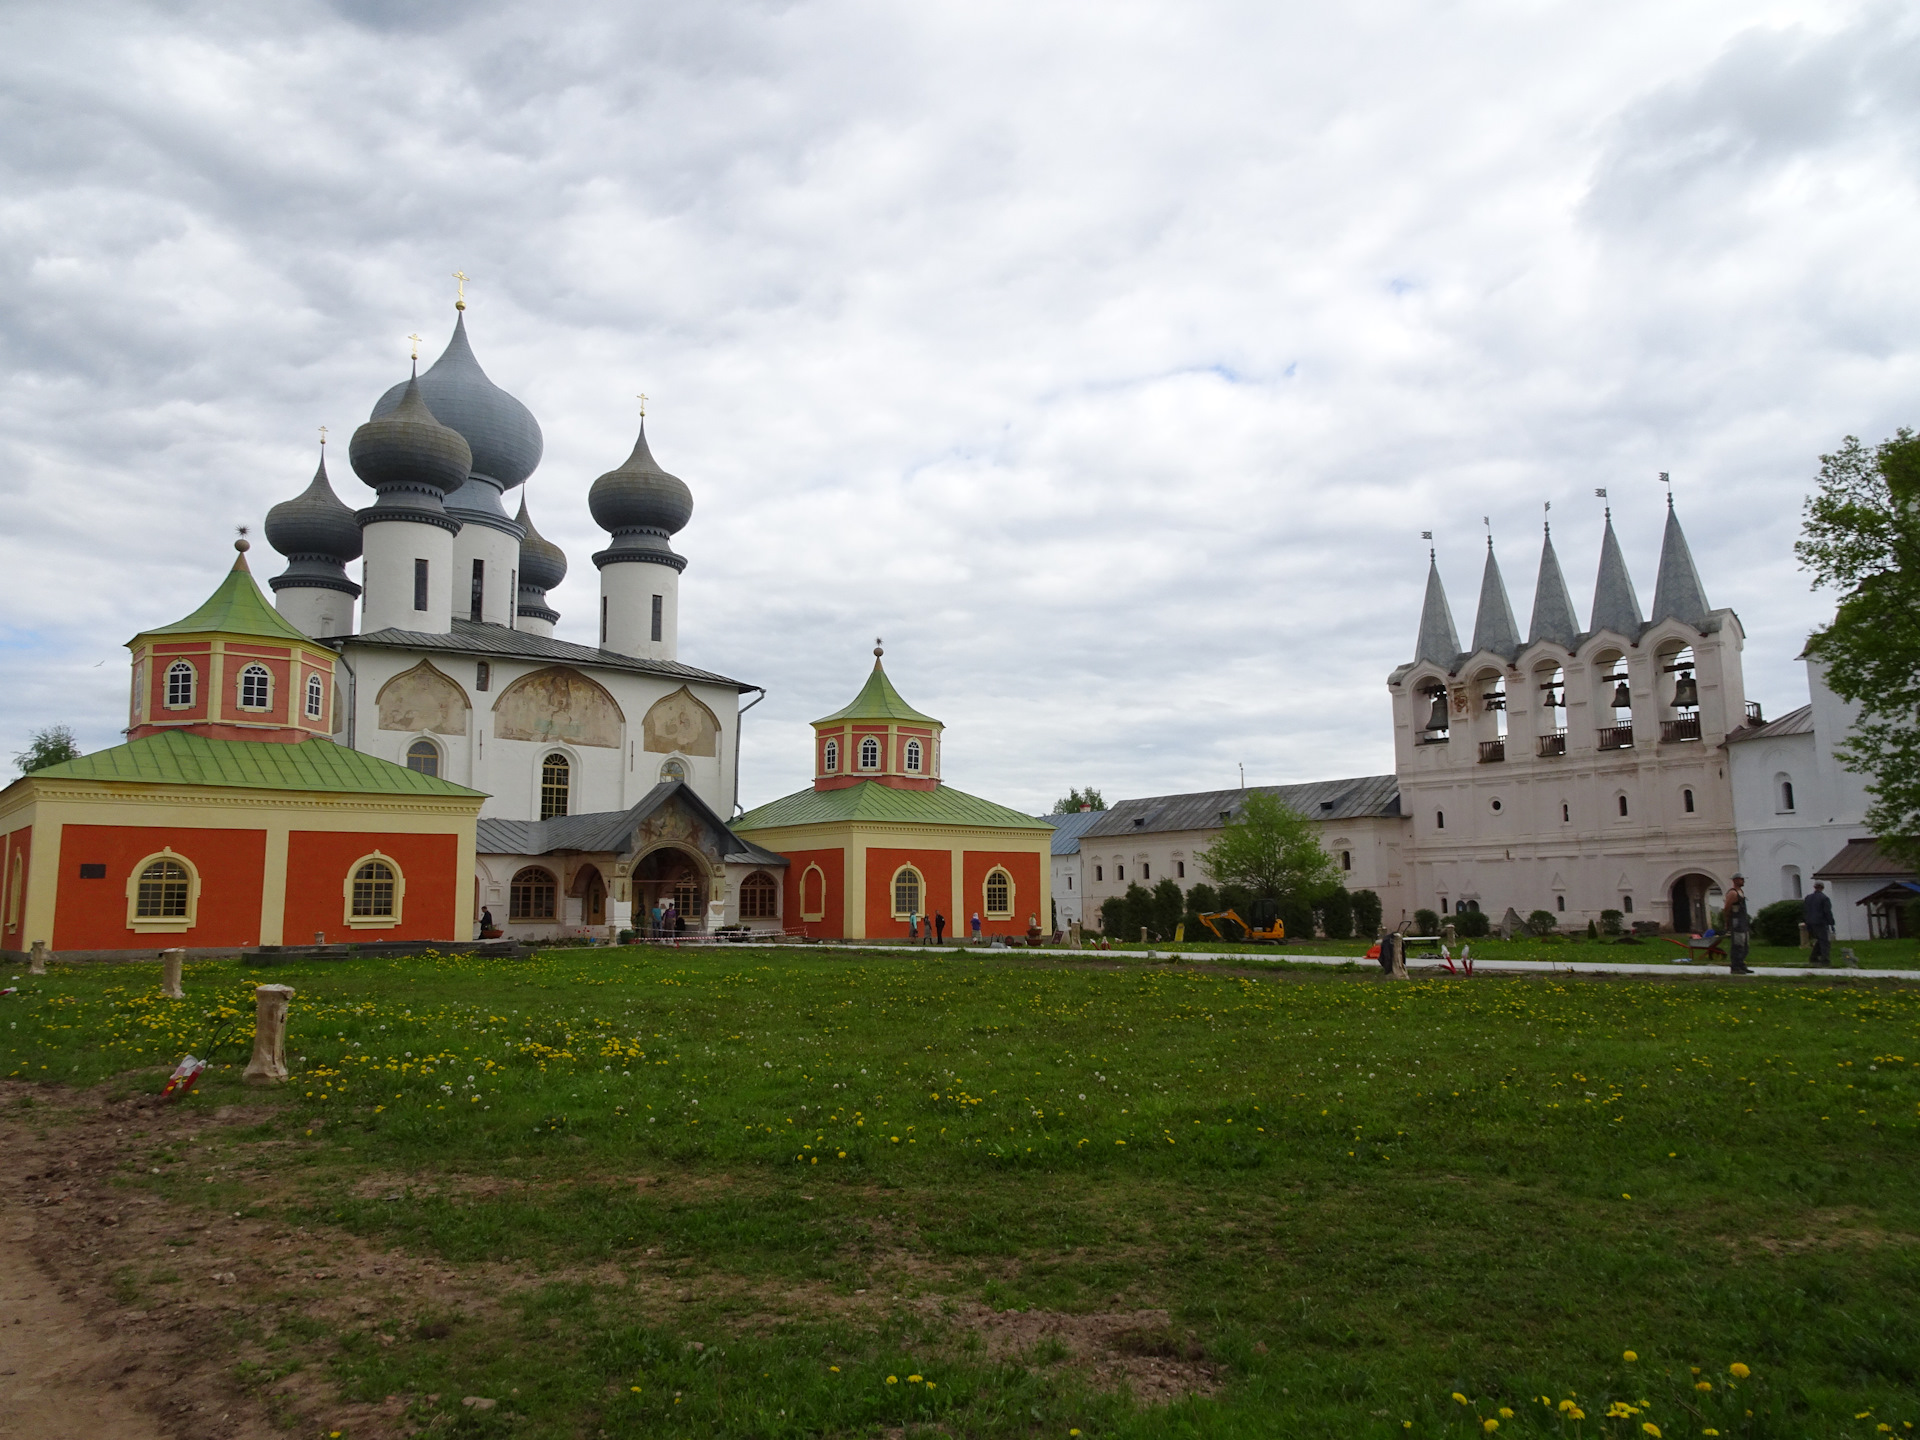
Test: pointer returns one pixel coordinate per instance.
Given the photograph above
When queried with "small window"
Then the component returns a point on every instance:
(163, 891)
(477, 596)
(906, 892)
(830, 756)
(603, 620)
(1146, 871)
(659, 615)
(1439, 819)
(255, 687)
(180, 678)
(1621, 800)
(674, 769)
(1793, 878)
(424, 756)
(556, 783)
(1686, 801)
(1069, 882)
(1560, 902)
(1346, 859)
(1566, 813)
(999, 893)
(482, 675)
(869, 754)
(1119, 873)
(1786, 794)
(92, 872)
(1495, 806)
(1098, 873)
(373, 891)
(759, 897)
(1626, 904)
(913, 757)
(531, 895)
(1443, 905)
(1180, 869)
(419, 584)
(316, 696)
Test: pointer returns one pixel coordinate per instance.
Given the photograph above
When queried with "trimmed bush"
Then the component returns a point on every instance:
(1542, 922)
(1426, 922)
(1336, 915)
(1610, 922)
(1779, 923)
(1366, 914)
(1471, 925)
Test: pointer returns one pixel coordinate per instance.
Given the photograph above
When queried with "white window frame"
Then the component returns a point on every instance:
(986, 889)
(373, 922)
(316, 696)
(163, 924)
(920, 892)
(869, 745)
(821, 913)
(247, 672)
(439, 755)
(192, 672)
(914, 751)
(830, 758)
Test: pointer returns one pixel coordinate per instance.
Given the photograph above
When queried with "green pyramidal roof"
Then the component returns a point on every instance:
(236, 608)
(871, 801)
(878, 700)
(176, 757)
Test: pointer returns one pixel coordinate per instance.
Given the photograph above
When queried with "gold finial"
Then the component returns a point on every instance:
(241, 544)
(878, 649)
(416, 345)
(460, 303)
(642, 397)
(323, 435)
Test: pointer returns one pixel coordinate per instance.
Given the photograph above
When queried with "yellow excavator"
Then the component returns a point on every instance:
(1259, 937)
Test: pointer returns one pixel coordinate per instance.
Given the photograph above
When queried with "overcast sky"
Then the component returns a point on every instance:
(1107, 360)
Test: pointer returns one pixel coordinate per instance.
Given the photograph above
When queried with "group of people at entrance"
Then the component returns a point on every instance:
(932, 929)
(664, 921)
(1816, 912)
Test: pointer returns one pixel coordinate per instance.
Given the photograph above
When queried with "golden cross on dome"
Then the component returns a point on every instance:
(642, 398)
(323, 434)
(460, 302)
(415, 338)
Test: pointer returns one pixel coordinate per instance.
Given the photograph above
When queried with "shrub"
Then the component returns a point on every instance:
(1593, 931)
(1113, 916)
(1336, 915)
(1542, 922)
(1779, 923)
(1295, 913)
(1426, 922)
(1167, 905)
(1366, 913)
(1610, 922)
(1471, 925)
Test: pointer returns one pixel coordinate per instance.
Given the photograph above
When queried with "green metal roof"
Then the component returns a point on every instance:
(236, 608)
(882, 804)
(878, 700)
(175, 757)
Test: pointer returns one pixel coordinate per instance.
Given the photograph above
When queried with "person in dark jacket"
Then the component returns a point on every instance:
(1817, 911)
(486, 920)
(1739, 926)
(939, 928)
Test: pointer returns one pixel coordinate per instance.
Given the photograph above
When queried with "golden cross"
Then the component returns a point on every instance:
(461, 302)
(416, 345)
(643, 404)
(323, 434)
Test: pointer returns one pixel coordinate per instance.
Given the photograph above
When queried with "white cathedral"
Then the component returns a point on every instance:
(610, 770)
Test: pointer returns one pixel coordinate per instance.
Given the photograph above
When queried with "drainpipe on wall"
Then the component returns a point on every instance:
(737, 811)
(353, 697)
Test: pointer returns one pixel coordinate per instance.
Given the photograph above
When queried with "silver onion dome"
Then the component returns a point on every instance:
(543, 564)
(642, 505)
(409, 456)
(314, 524)
(501, 433)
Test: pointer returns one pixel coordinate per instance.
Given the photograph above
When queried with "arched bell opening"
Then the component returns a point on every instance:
(1612, 701)
(1550, 685)
(1677, 688)
(1489, 709)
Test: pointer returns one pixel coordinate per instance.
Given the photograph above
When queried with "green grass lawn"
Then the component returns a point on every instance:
(1367, 1208)
(1872, 954)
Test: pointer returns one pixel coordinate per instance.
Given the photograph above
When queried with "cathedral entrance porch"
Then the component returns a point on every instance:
(672, 877)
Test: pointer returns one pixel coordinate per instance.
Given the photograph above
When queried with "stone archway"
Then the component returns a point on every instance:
(591, 891)
(1687, 899)
(677, 876)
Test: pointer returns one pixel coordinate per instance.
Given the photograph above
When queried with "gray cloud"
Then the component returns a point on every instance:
(1107, 364)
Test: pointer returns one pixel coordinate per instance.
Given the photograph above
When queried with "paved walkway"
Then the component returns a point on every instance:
(1425, 964)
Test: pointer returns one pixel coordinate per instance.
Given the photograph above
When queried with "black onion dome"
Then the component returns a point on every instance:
(405, 447)
(314, 523)
(640, 496)
(501, 432)
(543, 564)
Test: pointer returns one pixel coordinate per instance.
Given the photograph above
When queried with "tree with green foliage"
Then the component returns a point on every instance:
(1336, 913)
(1779, 923)
(1471, 924)
(1861, 537)
(1366, 914)
(1271, 850)
(1070, 803)
(1542, 922)
(1426, 922)
(1168, 906)
(53, 746)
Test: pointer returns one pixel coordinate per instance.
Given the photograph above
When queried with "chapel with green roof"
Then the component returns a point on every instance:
(878, 845)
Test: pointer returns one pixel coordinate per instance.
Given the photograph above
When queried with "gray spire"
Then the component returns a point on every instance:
(1493, 627)
(1439, 641)
(1615, 606)
(1553, 617)
(1678, 593)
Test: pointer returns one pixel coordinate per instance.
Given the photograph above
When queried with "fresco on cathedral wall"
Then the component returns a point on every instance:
(423, 699)
(674, 823)
(680, 722)
(558, 704)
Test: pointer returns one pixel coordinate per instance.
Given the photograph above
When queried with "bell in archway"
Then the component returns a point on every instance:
(1622, 698)
(1686, 694)
(1437, 721)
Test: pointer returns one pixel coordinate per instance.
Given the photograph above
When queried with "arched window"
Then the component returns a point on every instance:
(1346, 859)
(1099, 873)
(1622, 801)
(1686, 801)
(180, 677)
(423, 755)
(1439, 819)
(830, 756)
(913, 757)
(1560, 902)
(256, 687)
(556, 782)
(1566, 813)
(813, 894)
(316, 697)
(373, 890)
(759, 897)
(674, 769)
(531, 895)
(1790, 882)
(1786, 794)
(869, 754)
(164, 886)
(906, 892)
(999, 894)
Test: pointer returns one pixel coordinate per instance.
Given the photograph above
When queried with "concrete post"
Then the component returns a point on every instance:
(1399, 971)
(1143, 934)
(269, 1063)
(37, 960)
(1073, 935)
(170, 963)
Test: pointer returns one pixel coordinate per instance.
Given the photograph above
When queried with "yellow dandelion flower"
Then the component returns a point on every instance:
(1489, 1426)
(1628, 1355)
(834, 1368)
(1738, 1371)
(1505, 1413)
(1651, 1429)
(913, 1379)
(1705, 1386)
(1458, 1398)
(893, 1379)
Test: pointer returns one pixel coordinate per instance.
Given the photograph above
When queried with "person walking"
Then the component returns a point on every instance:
(976, 927)
(939, 928)
(1739, 926)
(1817, 910)
(913, 927)
(486, 921)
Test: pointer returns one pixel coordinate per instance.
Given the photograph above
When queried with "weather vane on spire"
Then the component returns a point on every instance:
(460, 301)
(878, 647)
(1667, 480)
